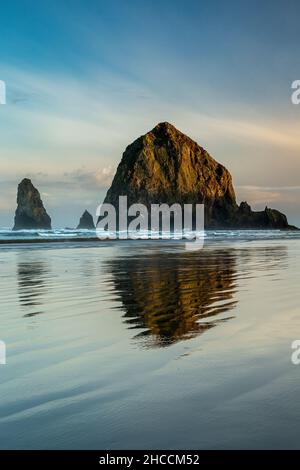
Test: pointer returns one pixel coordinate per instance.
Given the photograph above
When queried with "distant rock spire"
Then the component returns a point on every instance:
(86, 221)
(30, 213)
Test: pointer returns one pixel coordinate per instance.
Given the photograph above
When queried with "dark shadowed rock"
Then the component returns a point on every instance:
(166, 166)
(86, 221)
(30, 213)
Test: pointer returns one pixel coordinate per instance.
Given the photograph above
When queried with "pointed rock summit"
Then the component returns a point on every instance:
(30, 213)
(86, 221)
(166, 166)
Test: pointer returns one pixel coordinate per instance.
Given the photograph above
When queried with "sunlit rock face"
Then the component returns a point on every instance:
(166, 166)
(30, 213)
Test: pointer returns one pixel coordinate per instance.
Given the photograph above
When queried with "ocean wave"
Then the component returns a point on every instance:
(61, 234)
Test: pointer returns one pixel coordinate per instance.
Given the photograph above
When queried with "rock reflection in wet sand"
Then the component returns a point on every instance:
(32, 286)
(175, 296)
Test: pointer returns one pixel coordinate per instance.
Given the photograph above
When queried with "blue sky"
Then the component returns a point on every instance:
(85, 78)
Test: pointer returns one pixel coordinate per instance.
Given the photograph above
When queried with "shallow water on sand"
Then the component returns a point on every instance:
(142, 344)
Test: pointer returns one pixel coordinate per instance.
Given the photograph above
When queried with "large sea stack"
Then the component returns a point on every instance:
(30, 213)
(86, 221)
(166, 166)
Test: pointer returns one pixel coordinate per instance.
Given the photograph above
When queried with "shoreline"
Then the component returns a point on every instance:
(29, 241)
(50, 240)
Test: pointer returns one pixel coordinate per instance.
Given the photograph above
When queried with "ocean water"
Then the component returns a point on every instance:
(143, 344)
(8, 235)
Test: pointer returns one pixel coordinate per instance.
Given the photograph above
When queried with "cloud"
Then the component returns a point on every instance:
(99, 179)
(274, 132)
(103, 108)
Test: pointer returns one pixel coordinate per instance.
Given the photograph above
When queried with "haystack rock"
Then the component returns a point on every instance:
(166, 166)
(30, 213)
(86, 221)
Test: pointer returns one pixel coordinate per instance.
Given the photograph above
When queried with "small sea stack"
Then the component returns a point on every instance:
(30, 213)
(86, 221)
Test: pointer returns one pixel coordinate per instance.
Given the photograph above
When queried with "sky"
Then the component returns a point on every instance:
(86, 78)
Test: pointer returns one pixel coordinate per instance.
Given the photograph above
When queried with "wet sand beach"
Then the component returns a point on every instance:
(143, 344)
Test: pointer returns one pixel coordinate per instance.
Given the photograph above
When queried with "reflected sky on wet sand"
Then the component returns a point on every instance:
(144, 344)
